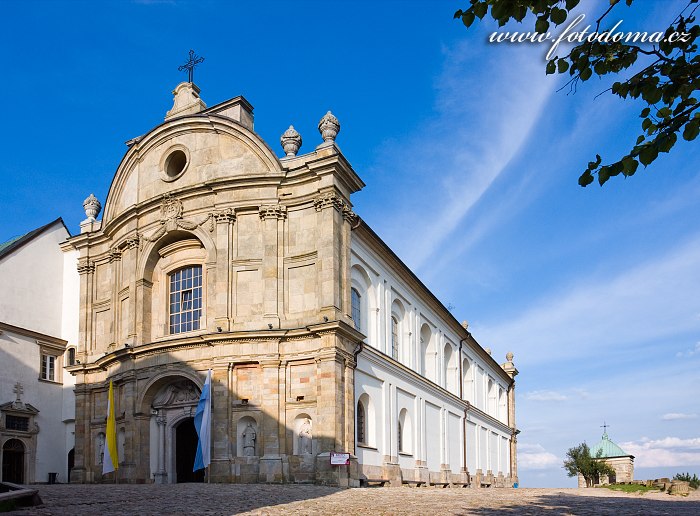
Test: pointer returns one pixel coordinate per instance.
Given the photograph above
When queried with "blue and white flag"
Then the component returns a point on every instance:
(202, 423)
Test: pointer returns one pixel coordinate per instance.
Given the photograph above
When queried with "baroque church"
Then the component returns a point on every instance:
(214, 253)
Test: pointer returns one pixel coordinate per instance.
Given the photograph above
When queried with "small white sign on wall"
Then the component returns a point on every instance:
(340, 459)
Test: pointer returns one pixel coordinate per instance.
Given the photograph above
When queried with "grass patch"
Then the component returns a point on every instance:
(630, 488)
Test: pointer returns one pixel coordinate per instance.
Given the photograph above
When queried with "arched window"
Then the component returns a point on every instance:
(361, 423)
(71, 356)
(405, 432)
(394, 338)
(356, 308)
(400, 436)
(185, 296)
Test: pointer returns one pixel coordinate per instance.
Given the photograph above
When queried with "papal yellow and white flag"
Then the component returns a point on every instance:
(111, 460)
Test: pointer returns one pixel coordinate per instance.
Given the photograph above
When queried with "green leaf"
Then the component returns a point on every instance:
(558, 15)
(467, 19)
(541, 26)
(585, 74)
(585, 179)
(640, 139)
(691, 130)
(645, 112)
(603, 175)
(480, 10)
(458, 14)
(562, 65)
(648, 155)
(629, 165)
(551, 67)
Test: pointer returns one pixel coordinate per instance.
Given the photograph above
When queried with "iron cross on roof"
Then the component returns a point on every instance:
(604, 426)
(189, 65)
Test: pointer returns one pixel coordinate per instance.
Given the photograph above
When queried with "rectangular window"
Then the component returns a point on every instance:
(185, 299)
(17, 423)
(48, 367)
(394, 338)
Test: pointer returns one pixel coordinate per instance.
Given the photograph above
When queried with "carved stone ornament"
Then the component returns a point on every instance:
(273, 211)
(225, 216)
(178, 393)
(85, 266)
(291, 141)
(92, 207)
(329, 127)
(171, 219)
(350, 216)
(328, 200)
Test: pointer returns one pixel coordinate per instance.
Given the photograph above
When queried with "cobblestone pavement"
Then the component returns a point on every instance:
(226, 499)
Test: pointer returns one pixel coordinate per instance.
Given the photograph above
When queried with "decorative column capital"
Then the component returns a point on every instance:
(273, 211)
(225, 216)
(329, 200)
(115, 254)
(85, 266)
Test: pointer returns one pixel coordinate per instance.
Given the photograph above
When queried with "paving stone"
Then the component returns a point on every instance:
(260, 499)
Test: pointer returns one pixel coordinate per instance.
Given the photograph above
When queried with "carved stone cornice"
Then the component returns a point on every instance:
(273, 211)
(225, 216)
(350, 215)
(132, 242)
(329, 200)
(115, 254)
(85, 266)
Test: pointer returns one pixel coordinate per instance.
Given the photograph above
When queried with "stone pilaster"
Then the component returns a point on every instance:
(271, 461)
(272, 217)
(509, 368)
(86, 270)
(224, 236)
(82, 434)
(331, 250)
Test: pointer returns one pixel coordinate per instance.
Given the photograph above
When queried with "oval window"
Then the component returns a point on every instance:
(175, 163)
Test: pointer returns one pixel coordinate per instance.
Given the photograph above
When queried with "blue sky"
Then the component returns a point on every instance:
(471, 157)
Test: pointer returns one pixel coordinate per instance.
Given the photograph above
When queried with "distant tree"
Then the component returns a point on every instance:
(664, 71)
(694, 481)
(579, 460)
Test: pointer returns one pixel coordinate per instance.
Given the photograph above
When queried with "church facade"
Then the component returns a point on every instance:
(215, 253)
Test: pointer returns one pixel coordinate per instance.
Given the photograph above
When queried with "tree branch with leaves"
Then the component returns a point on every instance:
(665, 74)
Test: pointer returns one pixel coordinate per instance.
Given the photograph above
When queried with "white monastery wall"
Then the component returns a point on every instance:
(32, 278)
(425, 346)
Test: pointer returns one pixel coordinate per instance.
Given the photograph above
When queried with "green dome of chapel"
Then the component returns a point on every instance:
(609, 448)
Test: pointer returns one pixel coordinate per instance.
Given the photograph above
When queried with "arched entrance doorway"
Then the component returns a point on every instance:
(173, 440)
(71, 462)
(13, 461)
(185, 450)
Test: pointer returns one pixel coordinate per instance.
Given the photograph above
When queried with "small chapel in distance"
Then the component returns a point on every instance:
(215, 253)
(622, 463)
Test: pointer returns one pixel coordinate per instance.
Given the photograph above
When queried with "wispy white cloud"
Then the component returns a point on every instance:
(674, 416)
(534, 456)
(545, 396)
(669, 451)
(476, 133)
(654, 300)
(689, 352)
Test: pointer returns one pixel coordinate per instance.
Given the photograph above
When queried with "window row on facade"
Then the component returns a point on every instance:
(400, 328)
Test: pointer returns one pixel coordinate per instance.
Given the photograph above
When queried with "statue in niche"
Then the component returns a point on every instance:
(100, 448)
(305, 437)
(249, 435)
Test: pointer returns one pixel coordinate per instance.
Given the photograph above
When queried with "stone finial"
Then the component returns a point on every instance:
(488, 350)
(329, 127)
(186, 101)
(465, 325)
(291, 141)
(92, 207)
(509, 356)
